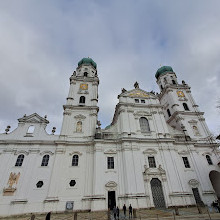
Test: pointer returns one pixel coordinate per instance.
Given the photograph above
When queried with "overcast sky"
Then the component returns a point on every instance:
(42, 41)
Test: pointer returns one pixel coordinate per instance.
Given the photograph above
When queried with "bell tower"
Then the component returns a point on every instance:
(80, 111)
(180, 109)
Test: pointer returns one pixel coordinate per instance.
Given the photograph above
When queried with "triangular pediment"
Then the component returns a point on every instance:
(138, 93)
(33, 118)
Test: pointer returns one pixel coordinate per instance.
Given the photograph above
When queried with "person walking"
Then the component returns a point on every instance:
(130, 211)
(124, 209)
(117, 211)
(114, 212)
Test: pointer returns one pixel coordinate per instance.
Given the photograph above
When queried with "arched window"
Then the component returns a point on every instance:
(19, 160)
(31, 129)
(75, 160)
(45, 160)
(209, 160)
(79, 126)
(144, 124)
(161, 87)
(168, 112)
(185, 106)
(173, 81)
(82, 99)
(85, 74)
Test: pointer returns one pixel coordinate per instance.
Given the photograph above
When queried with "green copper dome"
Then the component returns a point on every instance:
(87, 61)
(162, 70)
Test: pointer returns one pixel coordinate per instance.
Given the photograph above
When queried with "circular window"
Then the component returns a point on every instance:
(39, 184)
(72, 183)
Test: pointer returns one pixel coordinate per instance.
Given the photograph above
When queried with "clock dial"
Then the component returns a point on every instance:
(180, 94)
(83, 86)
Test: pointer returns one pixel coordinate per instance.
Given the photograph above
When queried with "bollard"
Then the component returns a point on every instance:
(75, 216)
(176, 210)
(134, 213)
(199, 209)
(174, 217)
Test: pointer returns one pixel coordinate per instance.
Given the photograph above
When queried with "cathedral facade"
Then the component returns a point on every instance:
(157, 152)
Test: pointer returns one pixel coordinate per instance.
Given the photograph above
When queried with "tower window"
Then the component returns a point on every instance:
(161, 87)
(173, 81)
(19, 160)
(151, 161)
(75, 160)
(185, 106)
(39, 184)
(209, 160)
(136, 100)
(168, 112)
(82, 99)
(85, 74)
(186, 162)
(110, 162)
(142, 101)
(144, 124)
(45, 160)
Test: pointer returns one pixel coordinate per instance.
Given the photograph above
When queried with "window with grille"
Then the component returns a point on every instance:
(142, 101)
(110, 162)
(136, 100)
(19, 160)
(209, 160)
(75, 160)
(186, 162)
(151, 161)
(45, 160)
(144, 124)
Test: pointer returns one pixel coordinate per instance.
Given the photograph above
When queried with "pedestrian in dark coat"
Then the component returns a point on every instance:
(117, 211)
(114, 212)
(124, 209)
(130, 211)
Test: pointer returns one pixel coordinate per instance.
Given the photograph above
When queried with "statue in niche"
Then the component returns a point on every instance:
(79, 126)
(196, 131)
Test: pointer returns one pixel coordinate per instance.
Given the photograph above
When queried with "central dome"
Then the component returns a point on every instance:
(87, 61)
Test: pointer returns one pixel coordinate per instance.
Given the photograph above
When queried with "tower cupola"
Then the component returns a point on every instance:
(87, 61)
(165, 76)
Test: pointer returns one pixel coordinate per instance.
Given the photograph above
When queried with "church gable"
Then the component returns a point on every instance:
(137, 93)
(33, 118)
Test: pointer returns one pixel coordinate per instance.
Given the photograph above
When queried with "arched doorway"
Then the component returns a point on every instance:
(214, 177)
(157, 193)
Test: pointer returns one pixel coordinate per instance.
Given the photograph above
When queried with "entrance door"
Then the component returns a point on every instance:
(111, 199)
(157, 193)
(197, 196)
(215, 180)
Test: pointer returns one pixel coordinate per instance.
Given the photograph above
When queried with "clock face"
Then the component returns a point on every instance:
(180, 94)
(83, 86)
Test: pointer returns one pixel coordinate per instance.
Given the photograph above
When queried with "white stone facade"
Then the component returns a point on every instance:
(146, 157)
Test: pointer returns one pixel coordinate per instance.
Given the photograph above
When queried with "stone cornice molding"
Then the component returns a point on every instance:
(46, 152)
(150, 151)
(110, 152)
(111, 184)
(183, 152)
(75, 153)
(150, 173)
(21, 152)
(79, 117)
(207, 153)
(33, 118)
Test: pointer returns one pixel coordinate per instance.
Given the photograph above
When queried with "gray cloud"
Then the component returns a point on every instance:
(41, 43)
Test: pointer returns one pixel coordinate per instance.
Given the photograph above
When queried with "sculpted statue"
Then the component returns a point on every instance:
(13, 179)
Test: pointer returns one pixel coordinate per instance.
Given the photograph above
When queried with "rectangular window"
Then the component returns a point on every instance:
(186, 162)
(142, 101)
(136, 100)
(151, 161)
(110, 162)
